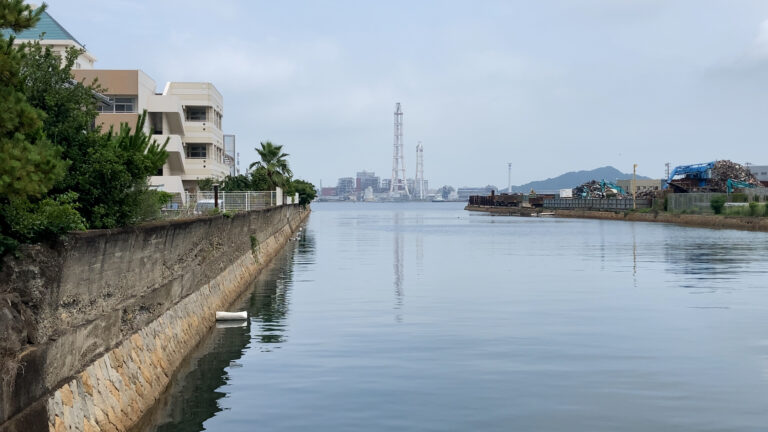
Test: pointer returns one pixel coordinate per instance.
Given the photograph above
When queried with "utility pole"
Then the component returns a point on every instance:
(509, 177)
(634, 187)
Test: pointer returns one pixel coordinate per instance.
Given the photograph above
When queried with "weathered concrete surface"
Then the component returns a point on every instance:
(700, 221)
(91, 328)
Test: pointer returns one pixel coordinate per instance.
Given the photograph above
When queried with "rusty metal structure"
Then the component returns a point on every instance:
(493, 200)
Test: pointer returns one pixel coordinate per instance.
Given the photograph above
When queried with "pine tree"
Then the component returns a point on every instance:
(29, 164)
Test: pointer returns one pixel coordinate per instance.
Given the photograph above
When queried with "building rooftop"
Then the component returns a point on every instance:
(47, 29)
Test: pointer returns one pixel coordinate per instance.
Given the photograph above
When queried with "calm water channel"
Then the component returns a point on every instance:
(424, 317)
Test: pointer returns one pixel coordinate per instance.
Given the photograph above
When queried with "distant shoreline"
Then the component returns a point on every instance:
(698, 221)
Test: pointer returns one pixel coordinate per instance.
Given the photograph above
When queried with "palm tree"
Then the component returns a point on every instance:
(274, 163)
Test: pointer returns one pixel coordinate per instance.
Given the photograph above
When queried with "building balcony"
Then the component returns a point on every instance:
(177, 161)
(171, 108)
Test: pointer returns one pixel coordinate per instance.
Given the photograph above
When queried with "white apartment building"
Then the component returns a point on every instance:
(187, 114)
(203, 140)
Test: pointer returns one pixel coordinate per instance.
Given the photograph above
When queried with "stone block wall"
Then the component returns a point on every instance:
(93, 326)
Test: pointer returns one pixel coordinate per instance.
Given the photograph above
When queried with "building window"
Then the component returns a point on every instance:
(119, 104)
(196, 113)
(125, 104)
(197, 151)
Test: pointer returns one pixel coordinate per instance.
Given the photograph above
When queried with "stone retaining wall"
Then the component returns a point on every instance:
(104, 318)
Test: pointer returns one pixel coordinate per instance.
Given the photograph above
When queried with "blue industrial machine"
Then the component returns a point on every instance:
(731, 184)
(617, 188)
(696, 175)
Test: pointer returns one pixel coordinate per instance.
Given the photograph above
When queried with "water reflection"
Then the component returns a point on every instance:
(420, 247)
(195, 392)
(398, 265)
(194, 395)
(267, 308)
(708, 258)
(634, 256)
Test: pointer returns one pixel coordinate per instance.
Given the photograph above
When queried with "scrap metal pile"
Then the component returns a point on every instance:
(596, 189)
(590, 189)
(648, 194)
(710, 177)
(724, 170)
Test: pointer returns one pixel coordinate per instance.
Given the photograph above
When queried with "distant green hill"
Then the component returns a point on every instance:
(575, 178)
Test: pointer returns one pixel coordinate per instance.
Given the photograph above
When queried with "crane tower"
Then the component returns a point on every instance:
(398, 186)
(419, 183)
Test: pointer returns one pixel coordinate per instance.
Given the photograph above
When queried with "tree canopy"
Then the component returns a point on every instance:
(59, 172)
(274, 163)
(270, 172)
(29, 163)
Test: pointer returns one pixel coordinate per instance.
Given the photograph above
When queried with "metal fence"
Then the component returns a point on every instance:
(700, 201)
(596, 203)
(689, 201)
(200, 203)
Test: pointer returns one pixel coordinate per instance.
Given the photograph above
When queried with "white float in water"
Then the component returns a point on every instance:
(231, 316)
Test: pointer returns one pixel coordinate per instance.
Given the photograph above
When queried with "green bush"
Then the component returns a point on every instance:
(305, 189)
(150, 204)
(206, 184)
(717, 203)
(32, 222)
(754, 208)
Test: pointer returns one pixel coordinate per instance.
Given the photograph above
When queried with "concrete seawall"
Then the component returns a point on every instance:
(699, 221)
(91, 328)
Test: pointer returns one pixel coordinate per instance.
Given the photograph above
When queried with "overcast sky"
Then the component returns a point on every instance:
(552, 86)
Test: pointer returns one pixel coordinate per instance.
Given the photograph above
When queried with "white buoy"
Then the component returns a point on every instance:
(231, 316)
